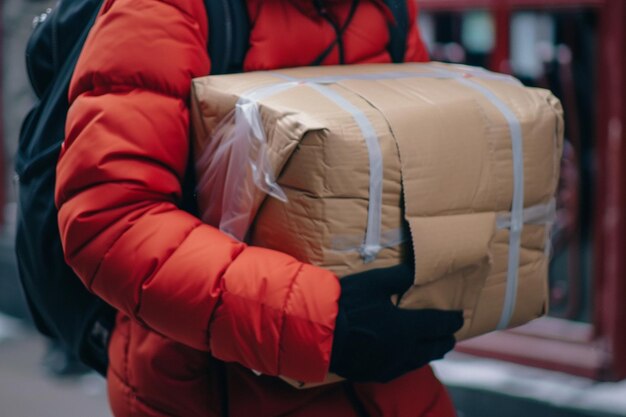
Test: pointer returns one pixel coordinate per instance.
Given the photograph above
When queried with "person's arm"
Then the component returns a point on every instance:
(118, 185)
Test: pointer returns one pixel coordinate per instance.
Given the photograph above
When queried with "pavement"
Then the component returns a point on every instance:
(27, 391)
(482, 387)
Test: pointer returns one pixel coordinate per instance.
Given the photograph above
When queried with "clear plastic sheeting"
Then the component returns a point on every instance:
(239, 161)
(248, 125)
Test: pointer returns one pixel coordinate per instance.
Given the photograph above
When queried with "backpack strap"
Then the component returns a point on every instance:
(399, 30)
(229, 32)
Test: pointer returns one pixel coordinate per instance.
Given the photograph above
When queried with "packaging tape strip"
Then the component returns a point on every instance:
(351, 243)
(371, 246)
(436, 73)
(517, 206)
(540, 214)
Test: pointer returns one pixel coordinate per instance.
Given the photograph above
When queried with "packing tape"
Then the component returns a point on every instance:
(538, 214)
(371, 246)
(517, 206)
(351, 243)
(435, 71)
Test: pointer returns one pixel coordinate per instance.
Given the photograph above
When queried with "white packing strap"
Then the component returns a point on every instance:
(351, 243)
(538, 214)
(517, 207)
(435, 71)
(371, 246)
(484, 74)
(377, 76)
(372, 243)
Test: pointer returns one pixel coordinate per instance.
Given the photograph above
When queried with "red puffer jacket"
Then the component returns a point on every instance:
(183, 288)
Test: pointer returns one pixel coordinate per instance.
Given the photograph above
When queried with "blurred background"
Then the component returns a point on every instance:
(571, 363)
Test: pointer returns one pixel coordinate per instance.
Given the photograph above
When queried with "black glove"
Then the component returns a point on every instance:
(375, 341)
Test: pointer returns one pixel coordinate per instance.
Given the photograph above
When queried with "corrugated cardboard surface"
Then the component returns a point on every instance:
(447, 168)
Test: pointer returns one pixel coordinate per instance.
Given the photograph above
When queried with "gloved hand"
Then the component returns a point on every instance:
(375, 341)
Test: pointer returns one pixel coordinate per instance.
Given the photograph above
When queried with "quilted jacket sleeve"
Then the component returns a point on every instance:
(118, 185)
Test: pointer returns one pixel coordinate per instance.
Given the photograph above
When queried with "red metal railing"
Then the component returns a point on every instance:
(597, 349)
(610, 222)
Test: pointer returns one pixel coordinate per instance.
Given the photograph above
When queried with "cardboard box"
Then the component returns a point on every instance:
(456, 164)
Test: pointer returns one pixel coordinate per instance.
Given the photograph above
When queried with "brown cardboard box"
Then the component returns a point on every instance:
(444, 136)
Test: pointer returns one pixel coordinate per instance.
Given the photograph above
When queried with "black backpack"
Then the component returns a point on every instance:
(60, 305)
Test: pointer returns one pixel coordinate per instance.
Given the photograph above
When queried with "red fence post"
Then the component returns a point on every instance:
(610, 220)
(499, 60)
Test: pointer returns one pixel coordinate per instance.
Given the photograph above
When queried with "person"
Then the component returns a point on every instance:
(198, 311)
